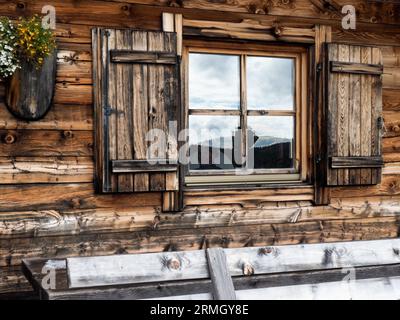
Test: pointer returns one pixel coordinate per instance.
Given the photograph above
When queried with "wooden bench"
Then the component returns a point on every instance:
(347, 270)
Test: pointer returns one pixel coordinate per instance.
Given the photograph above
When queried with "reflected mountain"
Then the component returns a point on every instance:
(269, 153)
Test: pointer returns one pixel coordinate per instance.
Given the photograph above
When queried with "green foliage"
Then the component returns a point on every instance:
(24, 42)
(35, 43)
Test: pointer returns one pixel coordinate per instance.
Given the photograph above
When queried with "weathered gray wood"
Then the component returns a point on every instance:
(141, 166)
(30, 91)
(356, 68)
(366, 289)
(356, 162)
(32, 269)
(124, 269)
(132, 97)
(354, 115)
(126, 56)
(221, 279)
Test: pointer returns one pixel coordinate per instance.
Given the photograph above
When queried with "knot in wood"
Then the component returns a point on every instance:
(175, 3)
(21, 5)
(396, 128)
(10, 138)
(68, 134)
(173, 264)
(255, 9)
(278, 31)
(265, 251)
(248, 269)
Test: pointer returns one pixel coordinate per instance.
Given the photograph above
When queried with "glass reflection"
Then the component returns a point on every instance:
(214, 81)
(211, 142)
(273, 141)
(270, 83)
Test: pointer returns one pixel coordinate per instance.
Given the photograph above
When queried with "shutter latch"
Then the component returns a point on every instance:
(108, 111)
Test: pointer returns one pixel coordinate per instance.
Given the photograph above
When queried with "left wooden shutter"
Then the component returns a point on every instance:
(136, 77)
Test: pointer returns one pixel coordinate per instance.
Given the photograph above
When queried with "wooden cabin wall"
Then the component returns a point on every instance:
(48, 206)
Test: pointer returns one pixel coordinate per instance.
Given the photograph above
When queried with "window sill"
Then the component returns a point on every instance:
(249, 186)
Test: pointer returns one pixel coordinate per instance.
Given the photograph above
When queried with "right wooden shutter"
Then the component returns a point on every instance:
(354, 114)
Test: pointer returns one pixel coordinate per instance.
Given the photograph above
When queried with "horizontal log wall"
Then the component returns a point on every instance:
(48, 206)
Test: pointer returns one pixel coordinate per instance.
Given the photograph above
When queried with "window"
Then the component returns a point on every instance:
(243, 116)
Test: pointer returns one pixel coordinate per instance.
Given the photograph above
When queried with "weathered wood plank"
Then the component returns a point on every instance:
(140, 57)
(376, 115)
(332, 116)
(366, 289)
(40, 143)
(355, 111)
(76, 94)
(43, 223)
(32, 270)
(60, 117)
(46, 170)
(356, 67)
(126, 269)
(343, 114)
(248, 198)
(67, 196)
(11, 252)
(222, 285)
(140, 166)
(221, 264)
(356, 162)
(365, 127)
(124, 113)
(140, 112)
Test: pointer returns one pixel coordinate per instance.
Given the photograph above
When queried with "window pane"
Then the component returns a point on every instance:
(270, 83)
(214, 81)
(273, 141)
(211, 142)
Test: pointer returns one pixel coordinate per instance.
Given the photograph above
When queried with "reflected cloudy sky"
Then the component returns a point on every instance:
(214, 81)
(270, 83)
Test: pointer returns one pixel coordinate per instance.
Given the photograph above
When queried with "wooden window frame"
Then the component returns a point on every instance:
(301, 112)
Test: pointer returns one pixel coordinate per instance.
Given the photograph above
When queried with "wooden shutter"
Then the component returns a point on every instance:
(353, 111)
(136, 90)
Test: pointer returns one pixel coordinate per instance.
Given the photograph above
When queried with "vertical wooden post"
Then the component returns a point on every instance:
(323, 34)
(172, 201)
(222, 283)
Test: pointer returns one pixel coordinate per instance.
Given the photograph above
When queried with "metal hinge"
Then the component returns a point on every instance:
(318, 158)
(380, 123)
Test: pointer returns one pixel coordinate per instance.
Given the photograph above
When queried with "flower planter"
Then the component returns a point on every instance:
(30, 91)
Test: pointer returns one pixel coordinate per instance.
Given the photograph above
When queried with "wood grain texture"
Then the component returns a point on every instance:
(91, 272)
(46, 212)
(140, 98)
(355, 114)
(222, 284)
(30, 90)
(32, 270)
